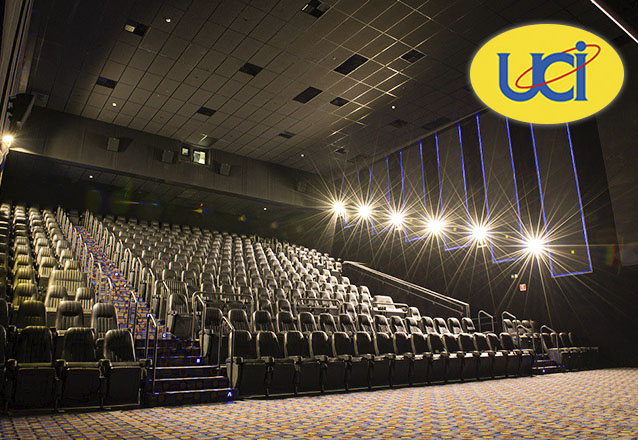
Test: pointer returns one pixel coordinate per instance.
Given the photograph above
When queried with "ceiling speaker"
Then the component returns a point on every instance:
(167, 156)
(224, 169)
(113, 144)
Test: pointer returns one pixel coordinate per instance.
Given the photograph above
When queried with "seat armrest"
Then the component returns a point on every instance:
(321, 358)
(60, 366)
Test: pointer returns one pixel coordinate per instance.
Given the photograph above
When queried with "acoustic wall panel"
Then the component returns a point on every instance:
(562, 208)
(414, 188)
(501, 193)
(452, 187)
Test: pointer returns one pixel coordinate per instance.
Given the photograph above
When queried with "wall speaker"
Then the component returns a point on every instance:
(113, 144)
(167, 156)
(224, 169)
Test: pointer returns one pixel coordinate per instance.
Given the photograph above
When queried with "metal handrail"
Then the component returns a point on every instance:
(483, 312)
(452, 304)
(507, 314)
(132, 299)
(203, 321)
(150, 319)
(231, 348)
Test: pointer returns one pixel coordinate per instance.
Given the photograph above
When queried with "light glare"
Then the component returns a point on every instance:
(7, 139)
(479, 233)
(364, 211)
(436, 226)
(339, 209)
(535, 246)
(396, 218)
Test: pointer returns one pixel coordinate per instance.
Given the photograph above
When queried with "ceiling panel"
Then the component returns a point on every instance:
(191, 53)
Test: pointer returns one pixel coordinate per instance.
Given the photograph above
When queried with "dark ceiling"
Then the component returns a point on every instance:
(184, 55)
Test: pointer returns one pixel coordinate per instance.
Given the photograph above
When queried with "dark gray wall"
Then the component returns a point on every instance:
(79, 140)
(618, 126)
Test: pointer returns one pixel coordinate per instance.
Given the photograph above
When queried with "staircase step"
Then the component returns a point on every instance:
(168, 351)
(186, 371)
(549, 369)
(177, 361)
(189, 383)
(189, 397)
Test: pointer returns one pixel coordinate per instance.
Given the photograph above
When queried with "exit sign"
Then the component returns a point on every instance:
(523, 287)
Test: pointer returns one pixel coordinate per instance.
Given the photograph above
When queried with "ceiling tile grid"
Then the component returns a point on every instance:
(194, 54)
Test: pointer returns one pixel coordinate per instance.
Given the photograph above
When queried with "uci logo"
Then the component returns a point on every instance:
(546, 73)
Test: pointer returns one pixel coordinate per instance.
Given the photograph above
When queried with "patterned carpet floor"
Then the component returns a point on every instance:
(581, 405)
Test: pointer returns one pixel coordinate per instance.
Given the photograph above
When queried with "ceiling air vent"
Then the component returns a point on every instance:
(413, 56)
(351, 64)
(307, 95)
(206, 111)
(341, 150)
(105, 82)
(339, 101)
(399, 123)
(250, 69)
(286, 134)
(315, 8)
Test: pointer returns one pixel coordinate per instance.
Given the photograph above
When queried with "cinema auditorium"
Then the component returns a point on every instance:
(370, 219)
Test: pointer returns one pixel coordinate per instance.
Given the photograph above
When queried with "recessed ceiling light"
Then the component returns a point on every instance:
(393, 107)
(90, 176)
(302, 155)
(265, 209)
(114, 104)
(167, 19)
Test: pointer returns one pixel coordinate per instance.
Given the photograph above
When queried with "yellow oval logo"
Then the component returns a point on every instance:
(547, 73)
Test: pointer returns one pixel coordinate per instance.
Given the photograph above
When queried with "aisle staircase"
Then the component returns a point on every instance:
(180, 375)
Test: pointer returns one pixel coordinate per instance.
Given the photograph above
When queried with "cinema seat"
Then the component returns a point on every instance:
(308, 377)
(525, 356)
(422, 357)
(22, 292)
(4, 351)
(179, 319)
(213, 349)
(468, 325)
(333, 368)
(511, 359)
(80, 371)
(468, 360)
(86, 297)
(378, 365)
(31, 375)
(404, 360)
(358, 367)
(262, 321)
(327, 323)
(280, 379)
(455, 326)
(124, 374)
(249, 374)
(441, 360)
(69, 314)
(31, 313)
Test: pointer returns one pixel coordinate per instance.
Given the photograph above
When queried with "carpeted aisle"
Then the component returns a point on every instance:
(591, 404)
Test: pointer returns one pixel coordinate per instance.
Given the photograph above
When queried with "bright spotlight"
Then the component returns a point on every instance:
(7, 139)
(364, 211)
(397, 218)
(535, 246)
(339, 209)
(480, 233)
(436, 226)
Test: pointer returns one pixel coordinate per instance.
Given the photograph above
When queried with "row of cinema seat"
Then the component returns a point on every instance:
(31, 376)
(564, 348)
(298, 356)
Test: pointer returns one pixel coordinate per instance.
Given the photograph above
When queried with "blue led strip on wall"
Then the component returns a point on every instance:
(467, 209)
(487, 204)
(580, 205)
